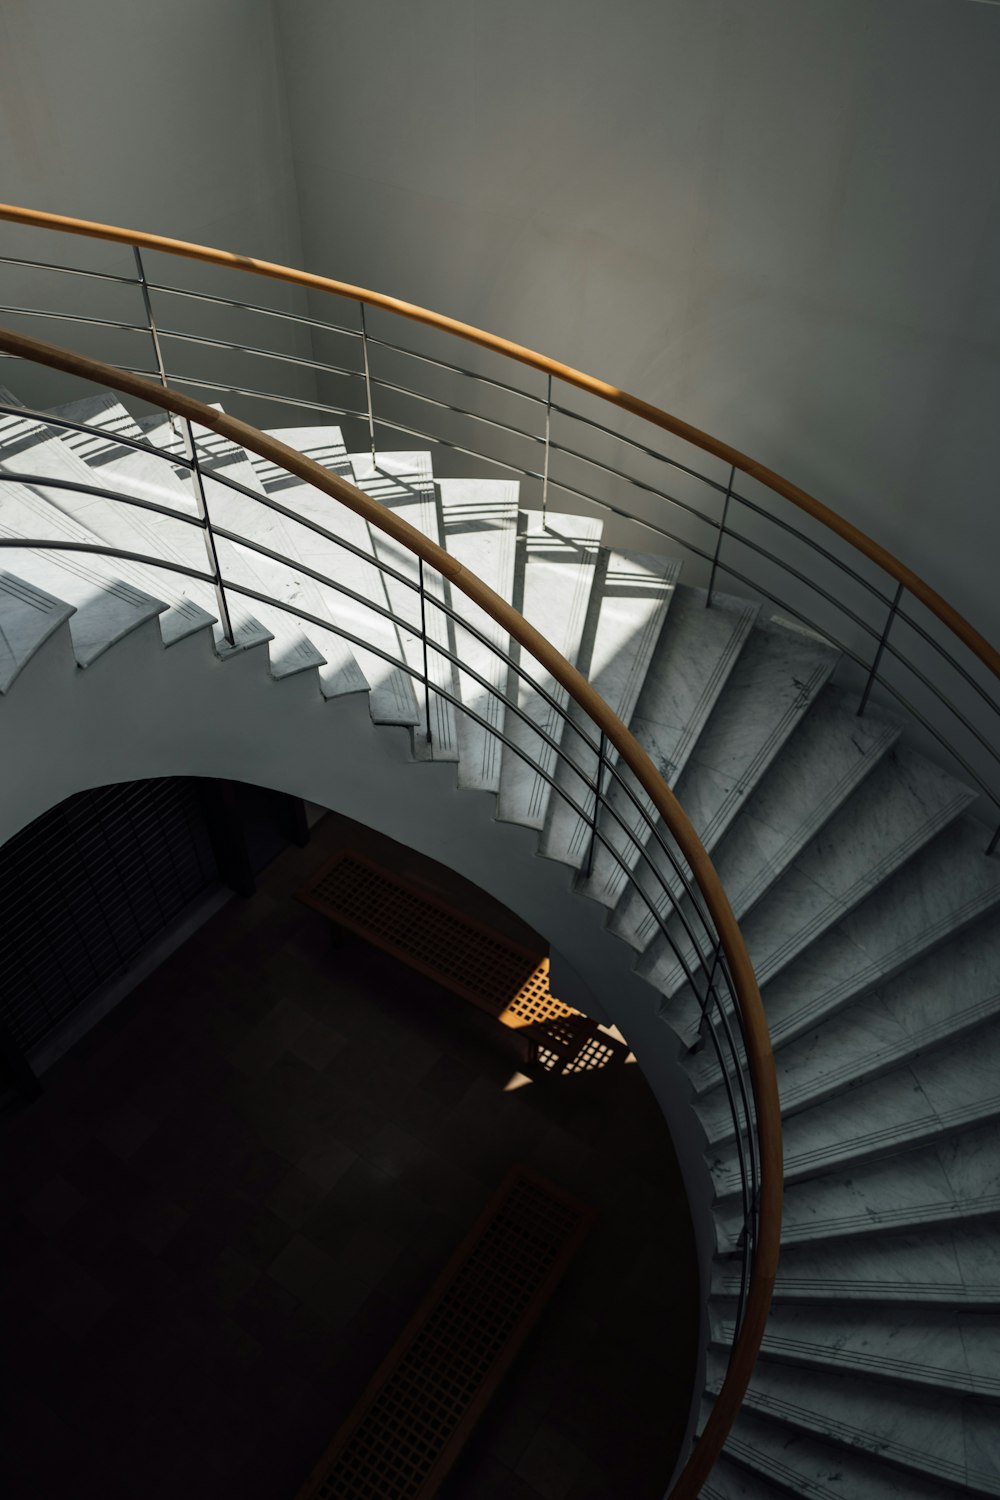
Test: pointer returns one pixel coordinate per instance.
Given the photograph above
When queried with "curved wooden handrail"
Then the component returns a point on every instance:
(760, 1057)
(853, 535)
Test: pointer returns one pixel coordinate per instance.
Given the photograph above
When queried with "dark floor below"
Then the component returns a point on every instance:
(235, 1190)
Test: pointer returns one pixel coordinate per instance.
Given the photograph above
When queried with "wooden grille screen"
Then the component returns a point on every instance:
(494, 972)
(483, 967)
(421, 1405)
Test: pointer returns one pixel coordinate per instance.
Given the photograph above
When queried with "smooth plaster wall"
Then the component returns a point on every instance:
(165, 117)
(780, 220)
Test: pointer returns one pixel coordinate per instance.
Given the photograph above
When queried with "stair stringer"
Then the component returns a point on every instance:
(143, 710)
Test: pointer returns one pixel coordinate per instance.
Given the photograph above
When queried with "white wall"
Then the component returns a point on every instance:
(780, 220)
(162, 117)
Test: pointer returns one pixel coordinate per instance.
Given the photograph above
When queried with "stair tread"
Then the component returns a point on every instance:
(480, 532)
(404, 483)
(28, 446)
(391, 696)
(105, 604)
(937, 1433)
(556, 561)
(629, 603)
(801, 1464)
(942, 1348)
(695, 655)
(950, 1089)
(957, 1264)
(772, 685)
(948, 1180)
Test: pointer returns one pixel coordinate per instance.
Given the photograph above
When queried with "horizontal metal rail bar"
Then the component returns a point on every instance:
(45, 265)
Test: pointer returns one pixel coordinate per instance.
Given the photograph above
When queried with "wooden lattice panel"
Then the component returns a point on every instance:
(407, 1430)
(493, 972)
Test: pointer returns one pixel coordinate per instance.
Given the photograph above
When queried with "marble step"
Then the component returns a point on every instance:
(106, 419)
(897, 809)
(776, 678)
(479, 519)
(950, 1182)
(404, 483)
(554, 573)
(28, 616)
(942, 1436)
(629, 602)
(289, 649)
(375, 646)
(105, 604)
(943, 890)
(694, 657)
(28, 446)
(948, 994)
(795, 1463)
(944, 1349)
(820, 768)
(953, 1088)
(728, 1481)
(952, 1266)
(323, 444)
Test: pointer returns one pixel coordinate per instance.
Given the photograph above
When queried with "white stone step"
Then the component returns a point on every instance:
(948, 1182)
(296, 645)
(954, 1088)
(27, 446)
(946, 995)
(106, 419)
(28, 616)
(555, 572)
(728, 1481)
(776, 678)
(799, 1464)
(480, 531)
(944, 889)
(943, 1436)
(957, 1266)
(404, 483)
(940, 1348)
(391, 699)
(105, 605)
(695, 655)
(774, 852)
(323, 444)
(629, 602)
(948, 886)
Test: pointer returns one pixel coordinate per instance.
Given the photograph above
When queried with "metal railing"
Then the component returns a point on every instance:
(731, 519)
(588, 759)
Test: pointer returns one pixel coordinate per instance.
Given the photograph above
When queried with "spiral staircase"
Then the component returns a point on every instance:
(855, 863)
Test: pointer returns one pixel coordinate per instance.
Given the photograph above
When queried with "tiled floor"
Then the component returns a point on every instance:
(234, 1191)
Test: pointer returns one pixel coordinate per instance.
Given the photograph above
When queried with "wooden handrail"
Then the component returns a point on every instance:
(853, 535)
(760, 1057)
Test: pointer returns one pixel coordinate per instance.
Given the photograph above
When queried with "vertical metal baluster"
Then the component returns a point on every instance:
(368, 384)
(153, 332)
(722, 532)
(150, 320)
(881, 647)
(545, 468)
(423, 633)
(994, 841)
(213, 556)
(597, 807)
